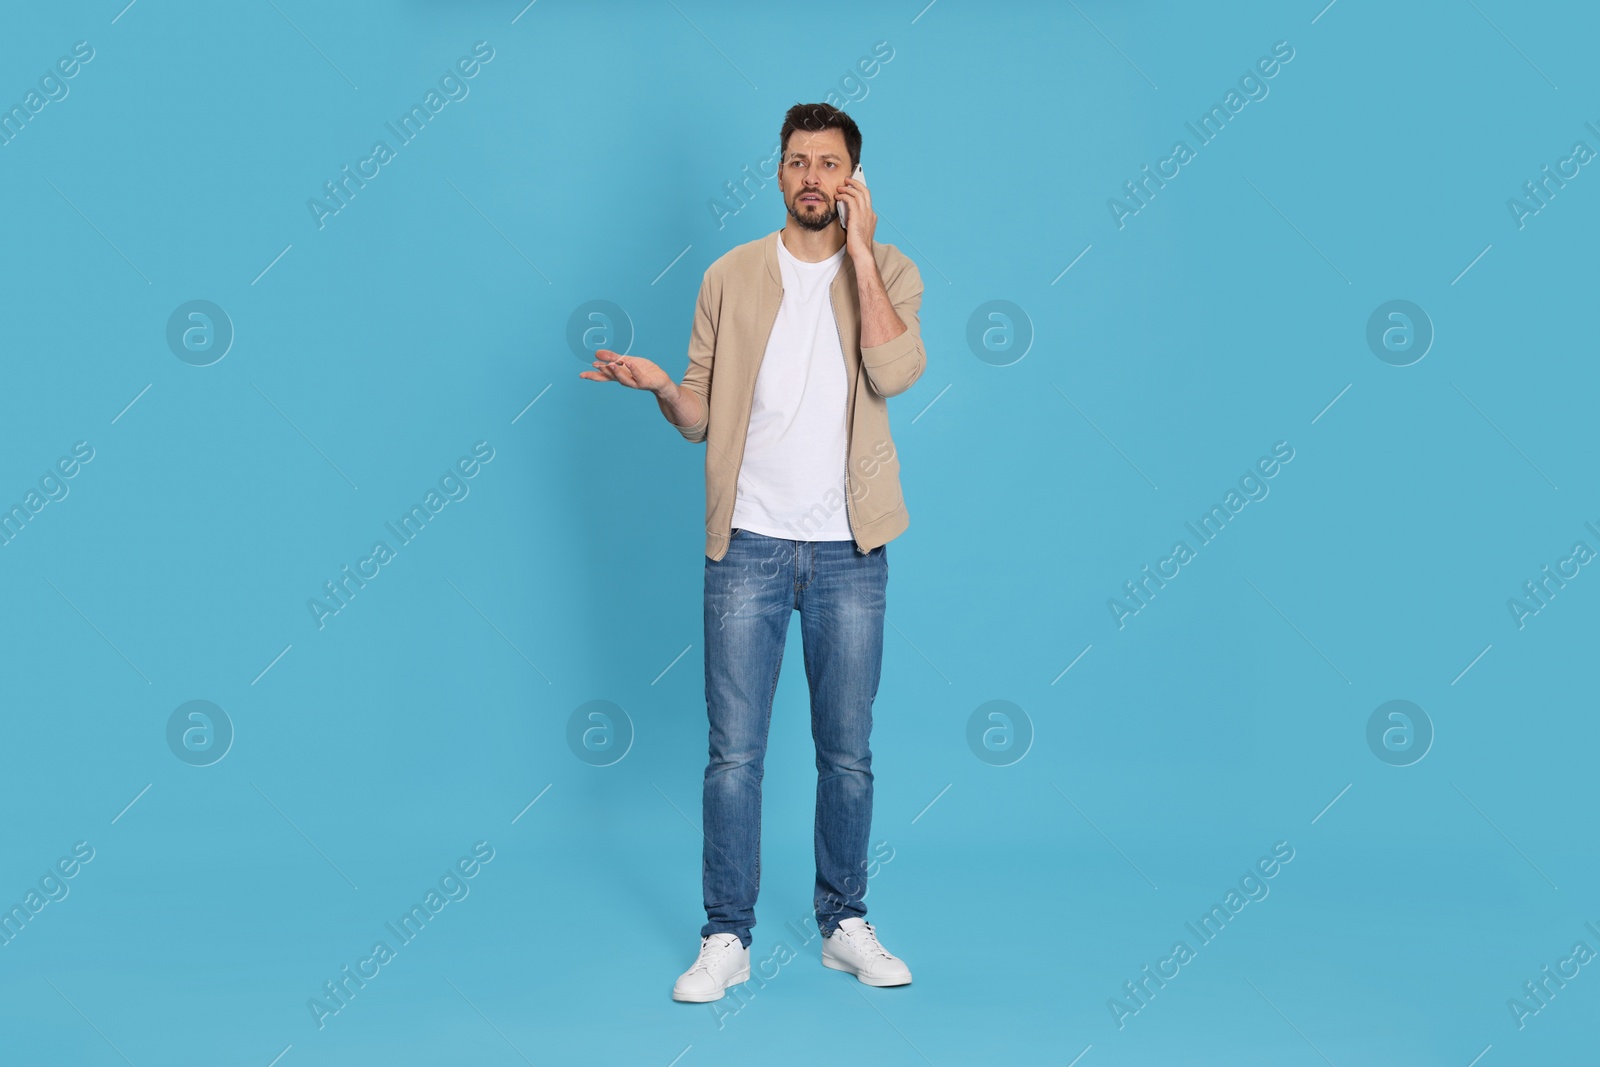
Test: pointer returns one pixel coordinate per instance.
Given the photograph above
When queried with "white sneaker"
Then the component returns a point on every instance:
(853, 947)
(723, 962)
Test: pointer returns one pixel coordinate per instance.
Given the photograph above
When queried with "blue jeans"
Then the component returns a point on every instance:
(749, 595)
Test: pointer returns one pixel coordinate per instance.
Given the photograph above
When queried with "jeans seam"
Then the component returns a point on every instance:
(760, 792)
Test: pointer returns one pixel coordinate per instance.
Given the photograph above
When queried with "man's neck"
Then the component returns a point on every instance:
(811, 246)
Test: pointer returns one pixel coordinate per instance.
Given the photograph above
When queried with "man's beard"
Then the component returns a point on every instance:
(812, 222)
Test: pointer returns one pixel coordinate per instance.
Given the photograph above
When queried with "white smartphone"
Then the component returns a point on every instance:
(844, 208)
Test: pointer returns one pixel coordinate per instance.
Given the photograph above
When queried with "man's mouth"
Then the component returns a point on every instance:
(811, 197)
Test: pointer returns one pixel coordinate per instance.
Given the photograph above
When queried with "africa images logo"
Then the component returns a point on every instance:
(1207, 128)
(453, 486)
(452, 84)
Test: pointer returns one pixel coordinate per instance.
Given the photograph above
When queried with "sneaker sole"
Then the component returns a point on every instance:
(715, 994)
(835, 965)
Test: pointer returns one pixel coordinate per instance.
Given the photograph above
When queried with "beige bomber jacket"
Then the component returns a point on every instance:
(734, 316)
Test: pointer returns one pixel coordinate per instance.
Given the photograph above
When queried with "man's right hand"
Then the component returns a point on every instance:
(635, 372)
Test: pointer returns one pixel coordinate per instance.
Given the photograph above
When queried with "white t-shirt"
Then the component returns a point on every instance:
(791, 481)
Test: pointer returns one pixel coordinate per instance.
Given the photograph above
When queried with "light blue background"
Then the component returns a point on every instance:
(1228, 315)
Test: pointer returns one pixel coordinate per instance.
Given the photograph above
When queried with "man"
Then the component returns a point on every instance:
(799, 337)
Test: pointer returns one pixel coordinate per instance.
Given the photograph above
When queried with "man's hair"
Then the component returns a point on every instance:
(814, 117)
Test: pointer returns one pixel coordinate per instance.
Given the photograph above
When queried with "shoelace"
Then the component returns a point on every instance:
(865, 941)
(711, 952)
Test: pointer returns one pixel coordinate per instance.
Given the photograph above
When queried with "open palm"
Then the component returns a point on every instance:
(635, 372)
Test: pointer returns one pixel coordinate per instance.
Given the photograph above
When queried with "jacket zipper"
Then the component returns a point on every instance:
(740, 465)
(848, 428)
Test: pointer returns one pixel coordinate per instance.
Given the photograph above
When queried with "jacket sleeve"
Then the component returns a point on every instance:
(895, 365)
(702, 344)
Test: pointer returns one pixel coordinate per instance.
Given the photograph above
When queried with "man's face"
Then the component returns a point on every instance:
(813, 169)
